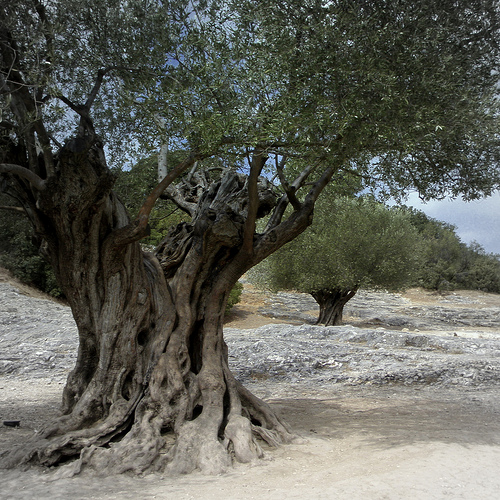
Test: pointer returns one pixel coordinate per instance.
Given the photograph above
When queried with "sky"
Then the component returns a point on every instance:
(474, 221)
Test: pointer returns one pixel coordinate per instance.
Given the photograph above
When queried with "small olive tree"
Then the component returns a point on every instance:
(352, 243)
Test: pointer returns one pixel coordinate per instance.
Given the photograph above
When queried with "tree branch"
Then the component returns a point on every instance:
(276, 236)
(95, 89)
(83, 110)
(10, 168)
(147, 206)
(319, 185)
(12, 208)
(289, 190)
(259, 158)
(279, 211)
(86, 124)
(138, 228)
(173, 194)
(101, 73)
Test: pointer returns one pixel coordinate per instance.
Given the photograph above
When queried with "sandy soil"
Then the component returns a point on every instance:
(245, 314)
(358, 442)
(368, 443)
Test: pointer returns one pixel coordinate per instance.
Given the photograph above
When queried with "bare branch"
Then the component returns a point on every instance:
(77, 108)
(97, 86)
(98, 83)
(86, 125)
(188, 192)
(84, 109)
(192, 171)
(319, 185)
(275, 236)
(55, 141)
(147, 206)
(10, 168)
(12, 208)
(173, 194)
(279, 211)
(138, 229)
(289, 190)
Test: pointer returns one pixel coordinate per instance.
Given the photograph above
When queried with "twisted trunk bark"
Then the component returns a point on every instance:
(151, 389)
(331, 305)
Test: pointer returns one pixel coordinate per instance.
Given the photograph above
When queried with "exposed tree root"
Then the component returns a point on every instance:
(226, 429)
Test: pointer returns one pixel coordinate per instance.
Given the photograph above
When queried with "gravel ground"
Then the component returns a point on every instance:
(38, 337)
(39, 340)
(418, 339)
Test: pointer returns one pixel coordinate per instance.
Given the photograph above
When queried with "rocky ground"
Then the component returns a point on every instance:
(403, 401)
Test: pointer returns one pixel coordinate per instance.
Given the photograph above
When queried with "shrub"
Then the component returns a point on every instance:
(234, 296)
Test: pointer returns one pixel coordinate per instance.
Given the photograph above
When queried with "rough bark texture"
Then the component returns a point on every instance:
(331, 305)
(151, 389)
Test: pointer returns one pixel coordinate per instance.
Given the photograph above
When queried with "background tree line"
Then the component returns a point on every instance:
(450, 264)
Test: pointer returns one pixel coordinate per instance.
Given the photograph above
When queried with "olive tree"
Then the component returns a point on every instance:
(399, 93)
(353, 243)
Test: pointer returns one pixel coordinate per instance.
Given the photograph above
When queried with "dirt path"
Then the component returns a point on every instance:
(361, 443)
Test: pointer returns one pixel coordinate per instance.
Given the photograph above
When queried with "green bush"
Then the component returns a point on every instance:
(234, 296)
(20, 255)
(450, 264)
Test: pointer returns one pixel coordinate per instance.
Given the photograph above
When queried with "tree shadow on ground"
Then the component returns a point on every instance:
(384, 423)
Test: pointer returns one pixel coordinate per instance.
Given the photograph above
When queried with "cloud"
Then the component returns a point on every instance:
(474, 221)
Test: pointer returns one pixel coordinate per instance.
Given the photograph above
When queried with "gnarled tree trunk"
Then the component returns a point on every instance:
(151, 389)
(331, 304)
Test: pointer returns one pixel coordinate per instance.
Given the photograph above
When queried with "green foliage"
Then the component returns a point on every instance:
(19, 255)
(352, 243)
(450, 264)
(401, 92)
(234, 296)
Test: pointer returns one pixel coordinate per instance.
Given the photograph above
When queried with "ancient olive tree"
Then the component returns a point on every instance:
(392, 92)
(352, 243)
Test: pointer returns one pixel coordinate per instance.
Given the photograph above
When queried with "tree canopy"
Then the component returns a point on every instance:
(402, 94)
